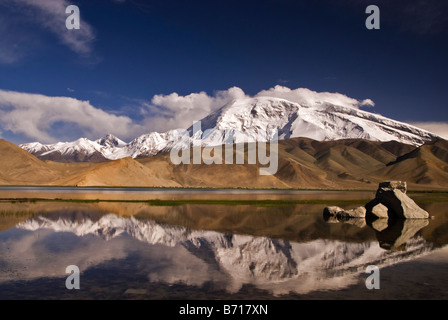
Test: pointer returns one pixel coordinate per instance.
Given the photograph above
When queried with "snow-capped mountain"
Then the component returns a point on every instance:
(111, 141)
(75, 151)
(245, 120)
(255, 118)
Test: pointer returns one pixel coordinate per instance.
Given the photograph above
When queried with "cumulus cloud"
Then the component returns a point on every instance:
(439, 128)
(308, 97)
(33, 115)
(175, 111)
(39, 117)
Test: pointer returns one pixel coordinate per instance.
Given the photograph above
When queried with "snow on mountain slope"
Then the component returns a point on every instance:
(80, 150)
(256, 117)
(148, 145)
(75, 151)
(249, 119)
(110, 141)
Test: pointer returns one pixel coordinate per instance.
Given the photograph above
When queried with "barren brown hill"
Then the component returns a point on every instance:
(120, 173)
(19, 167)
(425, 165)
(303, 164)
(341, 164)
(306, 163)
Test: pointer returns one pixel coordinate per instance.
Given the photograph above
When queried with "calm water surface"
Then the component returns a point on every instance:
(218, 251)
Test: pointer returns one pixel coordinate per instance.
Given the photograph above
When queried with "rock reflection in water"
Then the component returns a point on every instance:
(392, 234)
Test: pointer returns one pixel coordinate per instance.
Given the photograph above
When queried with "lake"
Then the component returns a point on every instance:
(214, 244)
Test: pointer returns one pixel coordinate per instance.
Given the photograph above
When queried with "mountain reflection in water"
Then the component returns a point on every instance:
(219, 248)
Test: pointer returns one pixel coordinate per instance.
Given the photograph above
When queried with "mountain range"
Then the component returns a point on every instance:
(251, 119)
(303, 163)
(320, 146)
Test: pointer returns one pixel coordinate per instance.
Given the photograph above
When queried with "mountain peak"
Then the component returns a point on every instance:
(323, 121)
(253, 119)
(111, 141)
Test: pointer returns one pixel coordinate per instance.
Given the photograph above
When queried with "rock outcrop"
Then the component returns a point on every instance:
(398, 185)
(379, 210)
(342, 214)
(391, 202)
(392, 195)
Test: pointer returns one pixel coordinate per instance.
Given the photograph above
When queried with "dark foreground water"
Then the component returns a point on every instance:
(218, 251)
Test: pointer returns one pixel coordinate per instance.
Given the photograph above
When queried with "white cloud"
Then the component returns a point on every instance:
(439, 128)
(33, 115)
(367, 103)
(174, 111)
(49, 15)
(308, 97)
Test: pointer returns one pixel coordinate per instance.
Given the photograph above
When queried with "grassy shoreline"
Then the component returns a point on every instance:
(179, 188)
(430, 195)
(159, 202)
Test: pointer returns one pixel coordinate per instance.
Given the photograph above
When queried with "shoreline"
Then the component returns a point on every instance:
(425, 189)
(196, 195)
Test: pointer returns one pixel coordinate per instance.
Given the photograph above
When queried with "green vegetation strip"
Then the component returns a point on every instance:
(433, 196)
(263, 203)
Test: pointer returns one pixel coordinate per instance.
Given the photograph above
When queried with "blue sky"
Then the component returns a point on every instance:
(138, 66)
